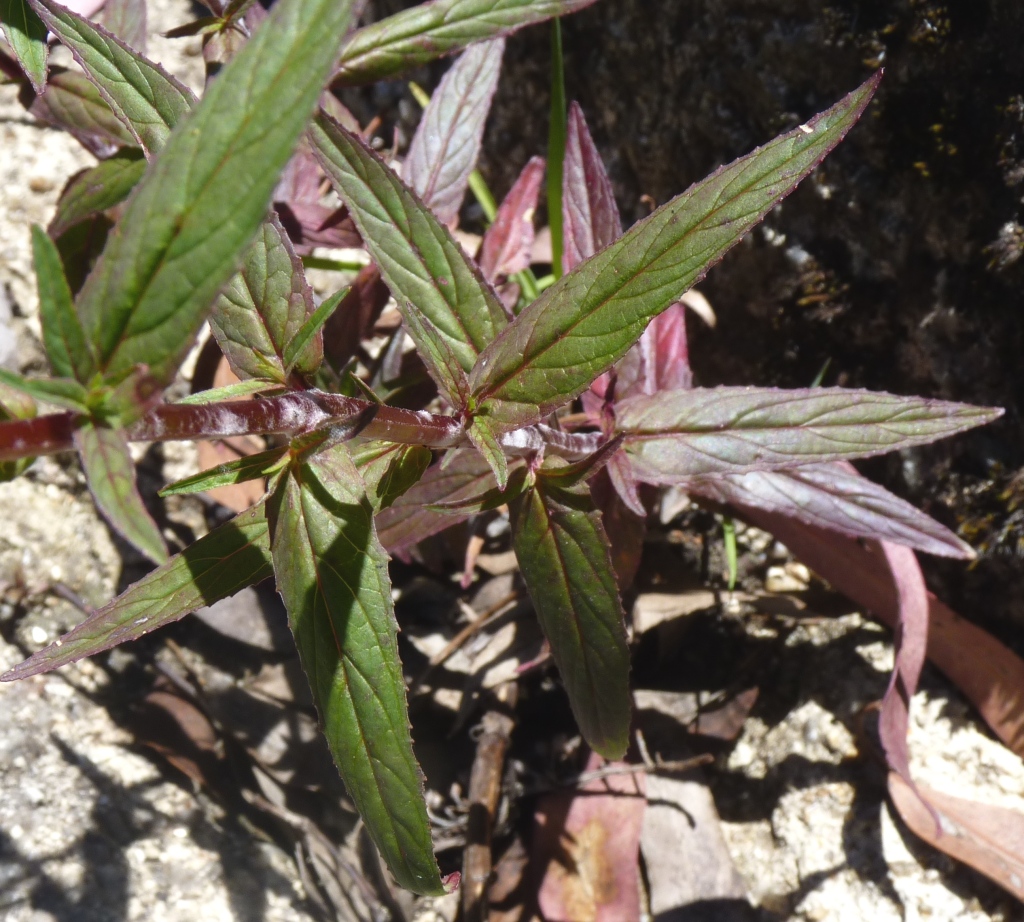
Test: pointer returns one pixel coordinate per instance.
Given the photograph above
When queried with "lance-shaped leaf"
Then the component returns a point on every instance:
(390, 470)
(263, 307)
(241, 470)
(62, 392)
(332, 573)
(202, 200)
(127, 20)
(65, 342)
(409, 519)
(432, 30)
(147, 99)
(676, 435)
(98, 188)
(590, 216)
(450, 311)
(507, 244)
(836, 497)
(305, 350)
(446, 145)
(229, 558)
(563, 554)
(71, 102)
(110, 473)
(587, 321)
(27, 36)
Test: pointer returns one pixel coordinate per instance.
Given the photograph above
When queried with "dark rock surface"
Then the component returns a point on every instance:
(898, 262)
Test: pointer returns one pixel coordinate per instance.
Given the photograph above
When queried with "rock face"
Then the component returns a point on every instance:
(898, 262)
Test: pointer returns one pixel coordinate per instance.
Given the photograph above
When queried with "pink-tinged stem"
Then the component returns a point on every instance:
(289, 414)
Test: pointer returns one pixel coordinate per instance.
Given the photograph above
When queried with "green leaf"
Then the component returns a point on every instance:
(63, 337)
(71, 102)
(229, 558)
(110, 473)
(305, 351)
(27, 36)
(228, 392)
(675, 435)
(564, 558)
(251, 467)
(447, 142)
(450, 311)
(588, 320)
(95, 190)
(486, 441)
(390, 470)
(203, 199)
(332, 574)
(147, 99)
(127, 20)
(264, 307)
(557, 131)
(62, 392)
(431, 30)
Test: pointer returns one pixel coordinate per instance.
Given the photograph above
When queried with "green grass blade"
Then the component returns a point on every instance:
(332, 574)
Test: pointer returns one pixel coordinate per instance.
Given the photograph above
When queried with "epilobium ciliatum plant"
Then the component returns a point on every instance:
(534, 394)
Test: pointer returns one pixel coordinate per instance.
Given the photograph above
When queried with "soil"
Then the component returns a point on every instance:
(898, 262)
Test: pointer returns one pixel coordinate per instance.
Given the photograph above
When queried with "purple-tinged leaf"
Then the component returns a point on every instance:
(660, 361)
(229, 558)
(263, 308)
(990, 675)
(620, 472)
(911, 643)
(431, 30)
(311, 225)
(409, 520)
(677, 435)
(446, 145)
(449, 310)
(72, 103)
(590, 217)
(567, 474)
(110, 473)
(63, 337)
(355, 316)
(589, 319)
(127, 20)
(332, 574)
(834, 496)
(508, 242)
(147, 99)
(563, 554)
(204, 197)
(27, 36)
(15, 405)
(241, 470)
(97, 189)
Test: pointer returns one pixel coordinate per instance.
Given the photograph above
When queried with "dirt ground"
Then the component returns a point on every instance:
(105, 815)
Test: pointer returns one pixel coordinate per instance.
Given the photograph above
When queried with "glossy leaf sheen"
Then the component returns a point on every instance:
(110, 473)
(332, 574)
(390, 470)
(27, 36)
(563, 555)
(836, 497)
(590, 216)
(588, 320)
(431, 30)
(205, 196)
(507, 244)
(147, 99)
(229, 558)
(446, 145)
(450, 311)
(263, 307)
(675, 435)
(101, 187)
(63, 337)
